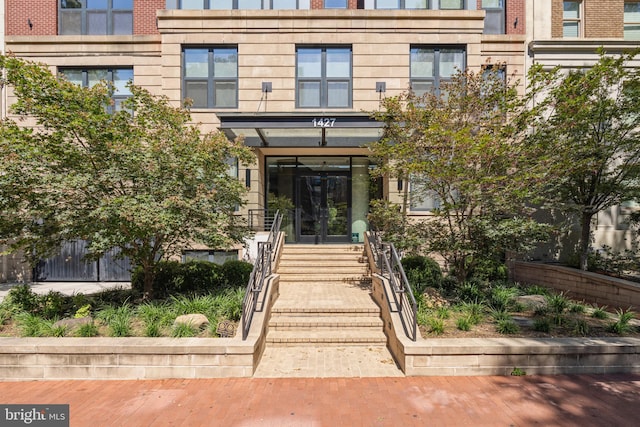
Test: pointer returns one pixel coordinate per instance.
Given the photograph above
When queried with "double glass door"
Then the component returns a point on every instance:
(322, 207)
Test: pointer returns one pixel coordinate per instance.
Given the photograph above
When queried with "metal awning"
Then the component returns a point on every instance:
(301, 130)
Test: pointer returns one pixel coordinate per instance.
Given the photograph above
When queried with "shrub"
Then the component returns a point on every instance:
(236, 273)
(501, 297)
(422, 272)
(536, 290)
(474, 311)
(471, 292)
(577, 308)
(557, 303)
(87, 330)
(174, 277)
(542, 325)
(30, 324)
(21, 298)
(436, 325)
(489, 270)
(580, 327)
(507, 326)
(464, 323)
(183, 330)
(54, 304)
(622, 325)
(600, 312)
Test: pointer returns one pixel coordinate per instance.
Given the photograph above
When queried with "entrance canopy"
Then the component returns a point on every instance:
(301, 130)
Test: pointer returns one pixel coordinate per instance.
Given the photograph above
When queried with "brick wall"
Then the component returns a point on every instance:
(43, 14)
(600, 18)
(144, 16)
(603, 18)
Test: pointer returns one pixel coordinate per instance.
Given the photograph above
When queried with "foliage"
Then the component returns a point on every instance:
(557, 303)
(507, 326)
(517, 372)
(464, 323)
(600, 313)
(183, 330)
(454, 147)
(84, 311)
(422, 272)
(173, 277)
(585, 136)
(88, 330)
(501, 298)
(580, 327)
(436, 325)
(21, 298)
(542, 324)
(390, 221)
(622, 325)
(236, 273)
(141, 179)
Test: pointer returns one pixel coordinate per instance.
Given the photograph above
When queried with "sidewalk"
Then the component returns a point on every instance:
(581, 400)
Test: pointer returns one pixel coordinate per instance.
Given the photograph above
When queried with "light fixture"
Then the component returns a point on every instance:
(381, 87)
(247, 177)
(30, 23)
(266, 87)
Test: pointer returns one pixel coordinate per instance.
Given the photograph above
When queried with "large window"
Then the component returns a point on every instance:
(452, 4)
(118, 77)
(422, 200)
(210, 76)
(95, 17)
(632, 20)
(430, 66)
(572, 19)
(323, 77)
(244, 4)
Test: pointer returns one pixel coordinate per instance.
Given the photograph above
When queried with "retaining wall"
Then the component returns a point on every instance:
(580, 285)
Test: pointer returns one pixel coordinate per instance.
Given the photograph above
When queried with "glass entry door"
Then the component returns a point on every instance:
(322, 207)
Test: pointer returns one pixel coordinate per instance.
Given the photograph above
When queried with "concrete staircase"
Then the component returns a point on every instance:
(324, 322)
(324, 298)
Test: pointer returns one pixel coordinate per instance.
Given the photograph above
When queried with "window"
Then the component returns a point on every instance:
(118, 77)
(451, 4)
(210, 76)
(632, 21)
(421, 198)
(323, 77)
(431, 66)
(219, 257)
(494, 18)
(244, 4)
(396, 4)
(335, 4)
(571, 19)
(96, 17)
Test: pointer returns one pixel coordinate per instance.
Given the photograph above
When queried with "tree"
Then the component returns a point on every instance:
(459, 148)
(141, 179)
(586, 135)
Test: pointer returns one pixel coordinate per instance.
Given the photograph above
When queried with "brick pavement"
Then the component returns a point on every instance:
(583, 400)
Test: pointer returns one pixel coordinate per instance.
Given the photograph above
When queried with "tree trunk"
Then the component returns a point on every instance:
(149, 276)
(585, 239)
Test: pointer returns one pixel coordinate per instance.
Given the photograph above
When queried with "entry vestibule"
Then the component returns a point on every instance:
(326, 198)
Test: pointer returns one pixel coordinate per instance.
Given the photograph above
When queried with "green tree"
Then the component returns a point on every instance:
(458, 147)
(586, 136)
(142, 179)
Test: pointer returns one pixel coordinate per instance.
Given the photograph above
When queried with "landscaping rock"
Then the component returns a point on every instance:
(532, 302)
(195, 320)
(433, 299)
(72, 324)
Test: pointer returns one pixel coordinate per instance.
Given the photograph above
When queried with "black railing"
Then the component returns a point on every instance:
(262, 219)
(254, 297)
(401, 300)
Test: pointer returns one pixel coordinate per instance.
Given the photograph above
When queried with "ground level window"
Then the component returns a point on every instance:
(219, 257)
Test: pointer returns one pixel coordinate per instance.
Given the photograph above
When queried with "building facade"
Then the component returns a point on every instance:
(570, 39)
(295, 78)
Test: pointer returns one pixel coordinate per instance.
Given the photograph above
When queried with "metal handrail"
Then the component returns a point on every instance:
(262, 268)
(404, 303)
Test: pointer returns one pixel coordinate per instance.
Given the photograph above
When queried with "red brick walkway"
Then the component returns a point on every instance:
(583, 400)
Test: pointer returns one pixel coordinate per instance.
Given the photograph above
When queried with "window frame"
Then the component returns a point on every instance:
(264, 5)
(110, 73)
(211, 79)
(419, 198)
(436, 79)
(578, 20)
(84, 13)
(631, 23)
(323, 80)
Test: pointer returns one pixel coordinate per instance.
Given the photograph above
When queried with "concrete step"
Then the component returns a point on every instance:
(325, 311)
(344, 336)
(322, 262)
(290, 323)
(345, 270)
(324, 278)
(292, 249)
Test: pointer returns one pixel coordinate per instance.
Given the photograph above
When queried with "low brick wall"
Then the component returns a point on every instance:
(580, 285)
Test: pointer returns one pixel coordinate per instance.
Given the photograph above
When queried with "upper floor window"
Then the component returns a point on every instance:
(421, 198)
(632, 20)
(323, 77)
(572, 19)
(210, 76)
(118, 77)
(96, 17)
(494, 18)
(244, 4)
(432, 65)
(452, 4)
(336, 4)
